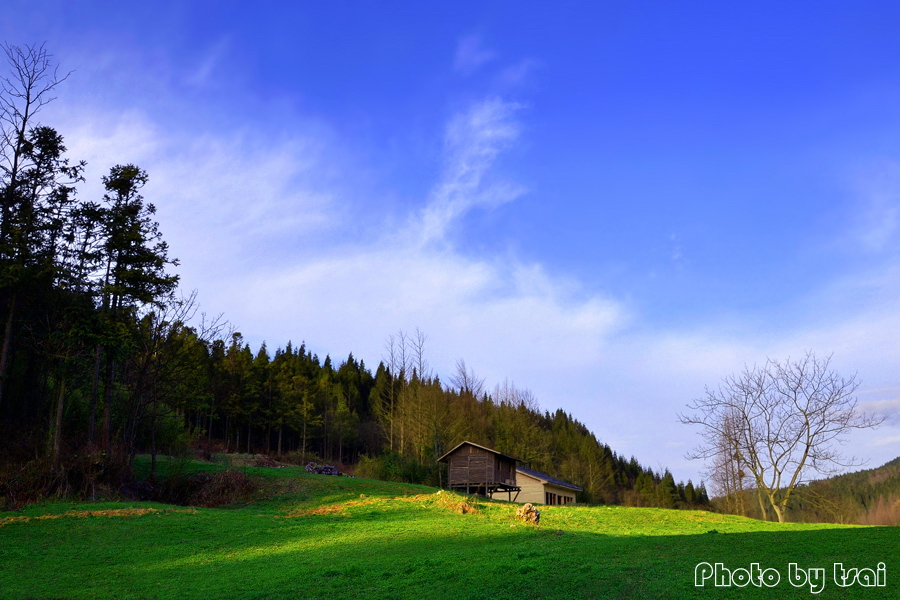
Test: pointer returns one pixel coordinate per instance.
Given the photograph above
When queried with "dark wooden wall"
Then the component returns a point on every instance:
(471, 466)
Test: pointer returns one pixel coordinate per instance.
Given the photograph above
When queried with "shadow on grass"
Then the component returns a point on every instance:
(549, 564)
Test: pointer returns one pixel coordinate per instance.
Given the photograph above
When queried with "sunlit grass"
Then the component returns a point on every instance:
(313, 536)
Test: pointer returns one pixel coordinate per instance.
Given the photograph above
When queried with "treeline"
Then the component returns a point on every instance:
(100, 360)
(398, 421)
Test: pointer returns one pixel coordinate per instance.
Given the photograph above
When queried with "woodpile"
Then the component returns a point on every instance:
(326, 470)
(529, 514)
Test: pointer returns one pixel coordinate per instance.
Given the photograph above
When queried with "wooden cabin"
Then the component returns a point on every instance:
(479, 470)
(540, 488)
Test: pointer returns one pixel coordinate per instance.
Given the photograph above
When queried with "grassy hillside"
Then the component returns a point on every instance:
(314, 536)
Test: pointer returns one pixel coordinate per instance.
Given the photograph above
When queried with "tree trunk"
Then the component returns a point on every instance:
(7, 343)
(303, 457)
(779, 510)
(153, 441)
(57, 426)
(107, 405)
(762, 505)
(212, 409)
(95, 391)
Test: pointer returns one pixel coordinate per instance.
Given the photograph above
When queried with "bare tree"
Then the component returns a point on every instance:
(507, 393)
(465, 380)
(26, 90)
(420, 408)
(166, 370)
(728, 476)
(420, 364)
(780, 421)
(396, 360)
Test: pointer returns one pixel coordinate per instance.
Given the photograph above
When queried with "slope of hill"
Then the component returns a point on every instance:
(315, 536)
(869, 497)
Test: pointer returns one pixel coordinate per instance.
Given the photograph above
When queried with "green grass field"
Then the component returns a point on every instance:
(314, 536)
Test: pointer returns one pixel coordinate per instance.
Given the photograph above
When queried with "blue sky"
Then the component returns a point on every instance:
(611, 204)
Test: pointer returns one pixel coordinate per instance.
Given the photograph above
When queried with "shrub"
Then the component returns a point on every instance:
(81, 474)
(391, 466)
(204, 448)
(200, 489)
(224, 487)
(298, 458)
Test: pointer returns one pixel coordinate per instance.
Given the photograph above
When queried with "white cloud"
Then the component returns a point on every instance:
(228, 205)
(893, 440)
(259, 233)
(498, 313)
(887, 405)
(128, 138)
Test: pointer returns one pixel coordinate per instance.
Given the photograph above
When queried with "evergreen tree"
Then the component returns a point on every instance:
(667, 492)
(133, 275)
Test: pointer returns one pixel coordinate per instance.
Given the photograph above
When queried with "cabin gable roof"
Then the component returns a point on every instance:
(491, 450)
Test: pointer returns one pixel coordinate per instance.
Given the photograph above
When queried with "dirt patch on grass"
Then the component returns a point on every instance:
(332, 509)
(449, 502)
(462, 506)
(83, 514)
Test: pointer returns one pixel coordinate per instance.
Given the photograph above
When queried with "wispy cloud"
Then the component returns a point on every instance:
(472, 142)
(893, 440)
(879, 219)
(888, 408)
(203, 73)
(494, 311)
(677, 254)
(227, 205)
(471, 54)
(518, 74)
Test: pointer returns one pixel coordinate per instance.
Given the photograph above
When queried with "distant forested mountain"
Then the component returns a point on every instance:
(868, 497)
